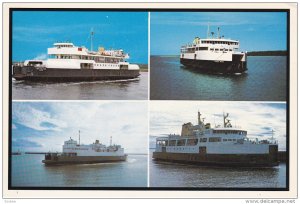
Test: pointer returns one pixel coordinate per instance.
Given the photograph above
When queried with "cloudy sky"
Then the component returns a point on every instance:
(257, 118)
(256, 31)
(44, 126)
(35, 31)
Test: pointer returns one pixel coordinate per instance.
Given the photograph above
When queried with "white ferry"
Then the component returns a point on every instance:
(214, 54)
(225, 146)
(67, 62)
(76, 153)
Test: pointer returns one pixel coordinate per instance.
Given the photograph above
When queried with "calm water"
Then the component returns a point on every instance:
(136, 89)
(163, 174)
(28, 170)
(265, 80)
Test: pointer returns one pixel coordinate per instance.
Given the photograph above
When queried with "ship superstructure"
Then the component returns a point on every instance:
(214, 54)
(73, 152)
(67, 62)
(220, 145)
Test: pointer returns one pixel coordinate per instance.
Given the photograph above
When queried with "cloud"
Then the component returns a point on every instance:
(26, 115)
(22, 143)
(41, 57)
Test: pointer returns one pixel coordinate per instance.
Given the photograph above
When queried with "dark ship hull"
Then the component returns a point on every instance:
(42, 74)
(62, 160)
(237, 160)
(225, 67)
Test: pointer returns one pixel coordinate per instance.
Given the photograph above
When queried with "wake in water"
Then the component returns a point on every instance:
(101, 82)
(130, 160)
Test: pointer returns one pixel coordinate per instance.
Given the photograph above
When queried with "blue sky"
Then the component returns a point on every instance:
(44, 126)
(257, 118)
(35, 31)
(256, 31)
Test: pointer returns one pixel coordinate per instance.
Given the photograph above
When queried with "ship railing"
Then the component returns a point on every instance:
(51, 156)
(20, 64)
(263, 141)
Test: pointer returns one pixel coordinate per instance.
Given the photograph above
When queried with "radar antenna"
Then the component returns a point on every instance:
(228, 124)
(224, 118)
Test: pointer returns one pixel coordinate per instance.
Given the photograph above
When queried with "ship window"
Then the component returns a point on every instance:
(230, 49)
(172, 143)
(214, 139)
(191, 142)
(203, 48)
(203, 139)
(224, 140)
(216, 49)
(180, 142)
(211, 49)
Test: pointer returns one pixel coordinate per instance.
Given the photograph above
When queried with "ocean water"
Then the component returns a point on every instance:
(164, 174)
(29, 171)
(134, 89)
(265, 80)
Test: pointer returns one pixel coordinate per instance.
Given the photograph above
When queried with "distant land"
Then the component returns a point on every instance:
(143, 67)
(268, 53)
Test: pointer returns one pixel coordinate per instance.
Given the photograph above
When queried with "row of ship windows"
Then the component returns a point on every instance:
(219, 42)
(97, 59)
(183, 148)
(192, 50)
(106, 65)
(193, 142)
(239, 132)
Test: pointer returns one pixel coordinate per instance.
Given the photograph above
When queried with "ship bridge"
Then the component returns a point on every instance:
(64, 44)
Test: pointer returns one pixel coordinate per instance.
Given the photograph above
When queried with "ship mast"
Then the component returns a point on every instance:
(79, 137)
(110, 140)
(92, 35)
(208, 30)
(272, 135)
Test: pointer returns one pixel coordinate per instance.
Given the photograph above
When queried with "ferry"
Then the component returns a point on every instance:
(214, 55)
(68, 62)
(16, 153)
(224, 145)
(76, 153)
